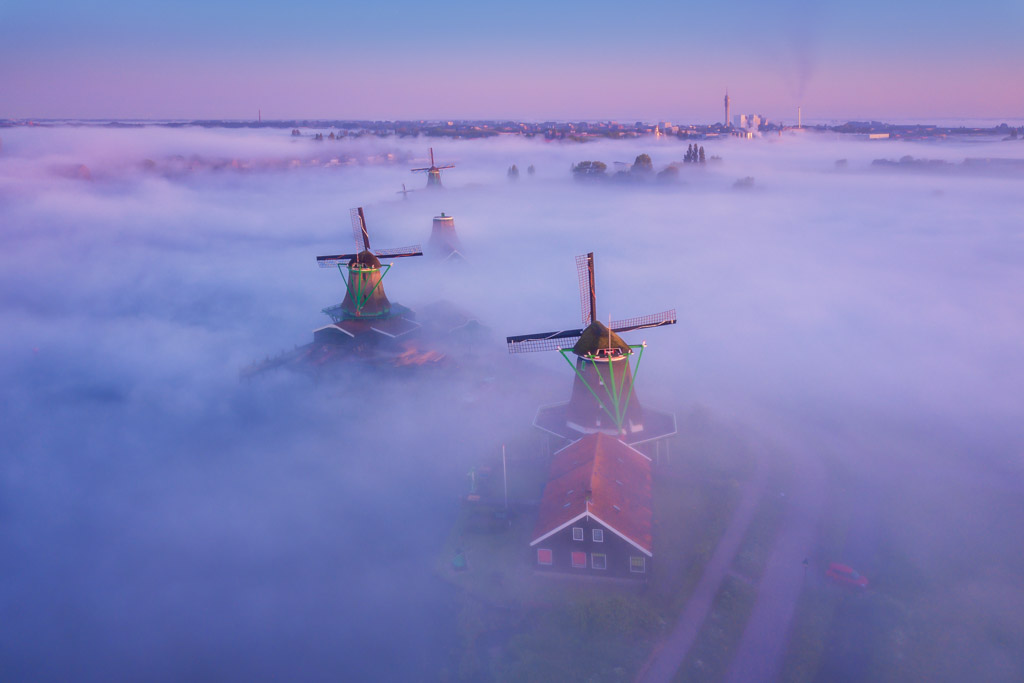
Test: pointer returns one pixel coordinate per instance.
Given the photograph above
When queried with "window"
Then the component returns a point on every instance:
(543, 556)
(598, 535)
(579, 560)
(598, 560)
(577, 533)
(637, 565)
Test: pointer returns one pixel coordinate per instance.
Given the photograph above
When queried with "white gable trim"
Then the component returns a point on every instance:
(573, 443)
(396, 336)
(623, 536)
(600, 521)
(333, 327)
(558, 528)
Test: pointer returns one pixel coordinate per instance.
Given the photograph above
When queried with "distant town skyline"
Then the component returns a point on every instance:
(530, 61)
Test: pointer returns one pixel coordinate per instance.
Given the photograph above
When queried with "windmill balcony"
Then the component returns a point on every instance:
(607, 355)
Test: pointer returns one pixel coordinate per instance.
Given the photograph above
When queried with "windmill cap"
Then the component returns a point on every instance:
(597, 337)
(444, 217)
(366, 259)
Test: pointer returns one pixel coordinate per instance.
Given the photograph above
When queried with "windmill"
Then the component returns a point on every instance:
(404, 192)
(444, 241)
(605, 368)
(433, 171)
(364, 293)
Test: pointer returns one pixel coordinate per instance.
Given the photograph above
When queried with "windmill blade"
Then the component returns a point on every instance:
(544, 341)
(639, 323)
(399, 252)
(588, 290)
(413, 170)
(448, 166)
(331, 261)
(359, 231)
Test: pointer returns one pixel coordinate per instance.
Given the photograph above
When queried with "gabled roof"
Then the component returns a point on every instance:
(618, 479)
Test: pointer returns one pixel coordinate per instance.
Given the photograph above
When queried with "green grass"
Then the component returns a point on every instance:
(759, 539)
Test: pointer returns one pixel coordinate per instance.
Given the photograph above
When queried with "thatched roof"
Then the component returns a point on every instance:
(365, 259)
(597, 336)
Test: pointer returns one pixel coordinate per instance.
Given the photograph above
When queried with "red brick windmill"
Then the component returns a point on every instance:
(433, 171)
(602, 399)
(364, 292)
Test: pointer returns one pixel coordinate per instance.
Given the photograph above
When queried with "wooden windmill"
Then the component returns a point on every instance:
(603, 398)
(364, 291)
(433, 171)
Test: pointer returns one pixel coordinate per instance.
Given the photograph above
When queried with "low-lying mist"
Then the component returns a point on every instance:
(162, 519)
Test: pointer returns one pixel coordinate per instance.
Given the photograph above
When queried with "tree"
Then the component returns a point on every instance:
(530, 169)
(643, 164)
(513, 172)
(590, 169)
(702, 154)
(668, 174)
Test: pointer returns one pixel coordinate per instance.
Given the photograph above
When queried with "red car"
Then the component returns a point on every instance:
(840, 573)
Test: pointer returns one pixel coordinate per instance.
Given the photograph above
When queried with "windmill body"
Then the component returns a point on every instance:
(364, 288)
(368, 328)
(444, 241)
(366, 308)
(433, 171)
(603, 397)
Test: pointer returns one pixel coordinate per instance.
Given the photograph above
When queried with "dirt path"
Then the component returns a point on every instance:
(666, 659)
(759, 654)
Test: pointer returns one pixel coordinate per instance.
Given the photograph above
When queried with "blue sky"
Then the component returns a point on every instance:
(530, 60)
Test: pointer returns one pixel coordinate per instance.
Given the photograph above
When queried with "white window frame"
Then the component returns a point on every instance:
(572, 562)
(580, 534)
(552, 556)
(597, 535)
(643, 564)
(594, 556)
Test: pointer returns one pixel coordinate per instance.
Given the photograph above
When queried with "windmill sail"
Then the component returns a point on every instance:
(588, 289)
(333, 260)
(359, 231)
(543, 341)
(644, 321)
(399, 252)
(566, 339)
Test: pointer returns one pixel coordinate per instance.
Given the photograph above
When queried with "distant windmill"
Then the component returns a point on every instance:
(404, 192)
(364, 293)
(433, 171)
(444, 241)
(602, 397)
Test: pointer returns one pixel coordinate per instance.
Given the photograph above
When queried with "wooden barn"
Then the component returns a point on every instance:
(595, 514)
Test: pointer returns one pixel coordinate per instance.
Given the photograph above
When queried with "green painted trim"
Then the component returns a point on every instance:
(583, 379)
(374, 289)
(632, 381)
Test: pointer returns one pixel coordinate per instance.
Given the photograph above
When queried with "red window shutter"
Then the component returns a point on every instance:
(579, 559)
(543, 556)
